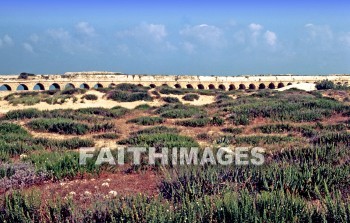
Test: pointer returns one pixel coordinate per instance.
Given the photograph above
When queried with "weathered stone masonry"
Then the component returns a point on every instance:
(105, 79)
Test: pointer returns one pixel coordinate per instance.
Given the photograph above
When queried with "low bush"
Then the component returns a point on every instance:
(198, 122)
(324, 85)
(234, 131)
(23, 114)
(146, 120)
(62, 165)
(171, 100)
(190, 97)
(179, 111)
(108, 135)
(122, 96)
(60, 126)
(90, 97)
(158, 129)
(169, 140)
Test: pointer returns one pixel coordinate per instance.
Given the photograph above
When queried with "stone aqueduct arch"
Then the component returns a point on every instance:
(56, 82)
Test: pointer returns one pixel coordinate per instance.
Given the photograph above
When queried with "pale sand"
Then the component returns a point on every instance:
(301, 86)
(101, 102)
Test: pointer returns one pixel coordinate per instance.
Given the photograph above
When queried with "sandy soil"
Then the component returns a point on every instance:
(301, 86)
(101, 102)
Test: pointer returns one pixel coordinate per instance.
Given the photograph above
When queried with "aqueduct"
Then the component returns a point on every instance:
(89, 80)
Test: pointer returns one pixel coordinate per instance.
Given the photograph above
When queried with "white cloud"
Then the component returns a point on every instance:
(270, 38)
(146, 37)
(34, 38)
(255, 32)
(28, 47)
(206, 34)
(85, 28)
(6, 41)
(146, 32)
(345, 38)
(255, 27)
(188, 47)
(59, 34)
(70, 43)
(319, 31)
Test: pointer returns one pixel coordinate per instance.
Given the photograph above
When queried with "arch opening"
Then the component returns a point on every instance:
(22, 87)
(272, 86)
(98, 86)
(39, 87)
(232, 87)
(280, 85)
(5, 87)
(177, 86)
(222, 87)
(252, 86)
(112, 85)
(211, 86)
(289, 84)
(140, 85)
(69, 86)
(189, 86)
(339, 83)
(200, 86)
(262, 86)
(85, 86)
(152, 85)
(165, 85)
(241, 86)
(55, 86)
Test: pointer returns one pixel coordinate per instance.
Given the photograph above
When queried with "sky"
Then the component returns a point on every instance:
(175, 37)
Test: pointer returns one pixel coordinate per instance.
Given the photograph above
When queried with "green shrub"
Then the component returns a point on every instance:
(146, 120)
(60, 126)
(90, 97)
(108, 135)
(62, 165)
(143, 107)
(169, 140)
(122, 96)
(234, 131)
(23, 114)
(171, 100)
(324, 85)
(198, 122)
(157, 129)
(190, 97)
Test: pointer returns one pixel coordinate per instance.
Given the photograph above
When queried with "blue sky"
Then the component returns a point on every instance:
(182, 37)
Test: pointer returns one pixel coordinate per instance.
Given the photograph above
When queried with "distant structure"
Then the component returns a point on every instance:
(97, 79)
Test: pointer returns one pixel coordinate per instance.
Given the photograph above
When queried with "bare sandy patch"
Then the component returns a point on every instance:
(101, 102)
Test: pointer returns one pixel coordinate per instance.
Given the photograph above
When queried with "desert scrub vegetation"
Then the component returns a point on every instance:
(107, 135)
(190, 97)
(59, 165)
(179, 111)
(287, 106)
(129, 93)
(83, 114)
(146, 120)
(50, 97)
(14, 141)
(90, 97)
(232, 130)
(169, 140)
(171, 99)
(157, 129)
(201, 122)
(67, 126)
(238, 206)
